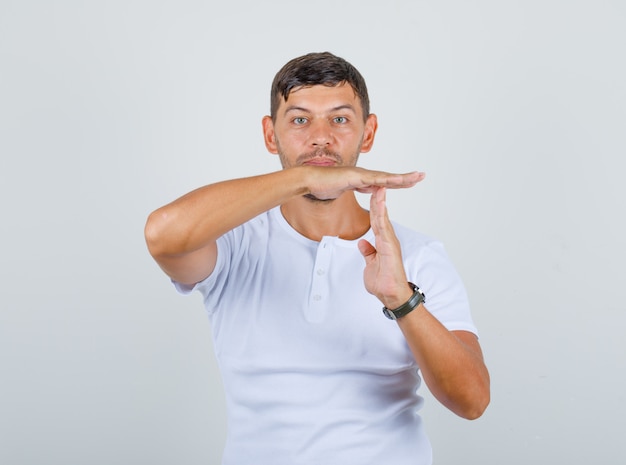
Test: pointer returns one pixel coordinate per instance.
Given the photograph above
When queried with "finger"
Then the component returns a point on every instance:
(378, 210)
(381, 224)
(400, 181)
(375, 210)
(366, 249)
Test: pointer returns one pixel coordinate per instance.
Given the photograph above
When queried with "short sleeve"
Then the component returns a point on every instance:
(446, 296)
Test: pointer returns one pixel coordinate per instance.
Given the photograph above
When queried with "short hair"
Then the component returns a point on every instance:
(319, 68)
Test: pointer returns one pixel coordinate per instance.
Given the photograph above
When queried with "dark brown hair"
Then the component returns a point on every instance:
(312, 69)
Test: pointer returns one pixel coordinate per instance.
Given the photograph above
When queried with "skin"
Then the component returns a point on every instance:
(318, 134)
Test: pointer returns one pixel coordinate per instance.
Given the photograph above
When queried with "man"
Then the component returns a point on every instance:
(294, 273)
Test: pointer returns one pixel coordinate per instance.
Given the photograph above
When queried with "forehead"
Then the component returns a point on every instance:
(321, 98)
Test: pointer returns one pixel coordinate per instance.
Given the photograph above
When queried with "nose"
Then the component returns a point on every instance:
(320, 134)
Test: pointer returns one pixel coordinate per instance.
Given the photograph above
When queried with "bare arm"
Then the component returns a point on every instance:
(181, 235)
(451, 361)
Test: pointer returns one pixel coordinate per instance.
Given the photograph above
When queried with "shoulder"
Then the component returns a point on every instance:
(422, 250)
(258, 226)
(413, 239)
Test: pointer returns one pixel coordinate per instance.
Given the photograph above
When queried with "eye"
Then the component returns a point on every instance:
(300, 120)
(340, 120)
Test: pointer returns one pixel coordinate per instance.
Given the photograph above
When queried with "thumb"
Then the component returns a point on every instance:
(367, 250)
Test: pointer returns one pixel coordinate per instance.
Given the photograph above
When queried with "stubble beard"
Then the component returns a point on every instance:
(322, 152)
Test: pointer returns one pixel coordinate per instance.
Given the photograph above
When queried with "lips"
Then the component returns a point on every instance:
(320, 161)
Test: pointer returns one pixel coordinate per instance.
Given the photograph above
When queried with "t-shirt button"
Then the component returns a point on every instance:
(317, 297)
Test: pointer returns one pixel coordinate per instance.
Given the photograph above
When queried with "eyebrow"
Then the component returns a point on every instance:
(332, 110)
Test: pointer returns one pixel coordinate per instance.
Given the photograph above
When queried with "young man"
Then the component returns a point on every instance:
(294, 273)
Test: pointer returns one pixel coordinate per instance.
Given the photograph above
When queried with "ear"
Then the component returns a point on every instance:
(371, 125)
(269, 136)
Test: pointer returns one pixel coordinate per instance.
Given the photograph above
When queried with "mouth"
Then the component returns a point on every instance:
(320, 161)
(320, 158)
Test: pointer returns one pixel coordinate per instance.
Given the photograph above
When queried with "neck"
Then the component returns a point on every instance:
(342, 217)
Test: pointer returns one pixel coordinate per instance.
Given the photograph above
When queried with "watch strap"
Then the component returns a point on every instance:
(417, 298)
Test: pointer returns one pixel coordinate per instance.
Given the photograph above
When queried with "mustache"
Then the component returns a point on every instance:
(319, 153)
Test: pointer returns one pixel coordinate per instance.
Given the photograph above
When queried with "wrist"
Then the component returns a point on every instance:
(399, 298)
(417, 297)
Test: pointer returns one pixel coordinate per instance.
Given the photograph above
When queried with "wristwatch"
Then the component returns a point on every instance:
(417, 298)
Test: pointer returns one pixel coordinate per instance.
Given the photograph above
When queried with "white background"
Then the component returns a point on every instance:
(109, 109)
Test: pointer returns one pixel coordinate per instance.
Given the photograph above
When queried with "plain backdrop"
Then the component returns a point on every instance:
(109, 109)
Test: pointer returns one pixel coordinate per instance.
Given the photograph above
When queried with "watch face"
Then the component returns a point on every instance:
(389, 314)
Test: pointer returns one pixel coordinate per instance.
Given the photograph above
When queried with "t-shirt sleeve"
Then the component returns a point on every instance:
(238, 254)
(214, 280)
(446, 296)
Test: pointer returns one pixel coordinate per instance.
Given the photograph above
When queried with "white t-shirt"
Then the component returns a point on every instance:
(314, 373)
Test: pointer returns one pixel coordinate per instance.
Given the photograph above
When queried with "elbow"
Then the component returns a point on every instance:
(476, 409)
(477, 401)
(469, 400)
(154, 232)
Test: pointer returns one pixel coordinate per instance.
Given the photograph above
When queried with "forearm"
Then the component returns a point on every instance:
(203, 215)
(451, 363)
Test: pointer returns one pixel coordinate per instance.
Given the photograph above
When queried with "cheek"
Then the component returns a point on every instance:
(290, 143)
(283, 153)
(293, 138)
